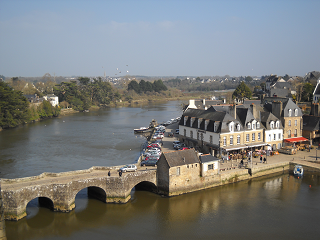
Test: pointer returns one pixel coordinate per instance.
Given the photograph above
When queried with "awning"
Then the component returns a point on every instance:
(297, 139)
(249, 145)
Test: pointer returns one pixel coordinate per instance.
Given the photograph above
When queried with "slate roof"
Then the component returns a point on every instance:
(181, 157)
(208, 158)
(279, 92)
(267, 117)
(289, 104)
(282, 85)
(311, 123)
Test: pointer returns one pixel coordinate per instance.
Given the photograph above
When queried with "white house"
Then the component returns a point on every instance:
(53, 99)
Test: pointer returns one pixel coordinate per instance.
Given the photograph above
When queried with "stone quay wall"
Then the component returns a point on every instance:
(2, 223)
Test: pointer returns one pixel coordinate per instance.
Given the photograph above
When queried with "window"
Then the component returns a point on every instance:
(277, 124)
(238, 127)
(253, 137)
(215, 127)
(258, 125)
(253, 126)
(210, 166)
(272, 125)
(249, 126)
(295, 122)
(290, 112)
(231, 127)
(247, 137)
(185, 121)
(279, 145)
(274, 137)
(206, 124)
(259, 136)
(231, 140)
(210, 139)
(184, 132)
(224, 141)
(289, 133)
(289, 123)
(269, 137)
(296, 112)
(238, 139)
(198, 134)
(199, 122)
(279, 136)
(295, 132)
(178, 170)
(191, 134)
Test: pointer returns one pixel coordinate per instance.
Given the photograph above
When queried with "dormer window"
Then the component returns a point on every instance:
(258, 125)
(296, 112)
(215, 126)
(231, 126)
(277, 124)
(206, 124)
(253, 126)
(249, 125)
(238, 127)
(191, 121)
(290, 112)
(185, 120)
(199, 122)
(272, 125)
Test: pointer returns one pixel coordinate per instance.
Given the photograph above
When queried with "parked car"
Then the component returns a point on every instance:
(177, 131)
(175, 143)
(129, 168)
(149, 163)
(184, 148)
(154, 145)
(178, 146)
(152, 158)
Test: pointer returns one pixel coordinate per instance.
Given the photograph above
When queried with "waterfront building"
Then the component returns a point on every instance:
(221, 130)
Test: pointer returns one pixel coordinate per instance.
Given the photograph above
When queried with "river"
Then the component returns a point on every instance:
(273, 207)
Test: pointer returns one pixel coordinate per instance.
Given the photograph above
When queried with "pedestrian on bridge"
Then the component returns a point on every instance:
(120, 173)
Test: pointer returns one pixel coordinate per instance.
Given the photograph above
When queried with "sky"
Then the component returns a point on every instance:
(159, 37)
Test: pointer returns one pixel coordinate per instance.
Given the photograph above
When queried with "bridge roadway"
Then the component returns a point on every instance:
(58, 190)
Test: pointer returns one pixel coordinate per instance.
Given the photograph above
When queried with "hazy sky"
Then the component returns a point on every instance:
(159, 38)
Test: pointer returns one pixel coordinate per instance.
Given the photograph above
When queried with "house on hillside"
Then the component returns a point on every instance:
(53, 99)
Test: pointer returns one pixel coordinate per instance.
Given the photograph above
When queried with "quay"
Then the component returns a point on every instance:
(57, 191)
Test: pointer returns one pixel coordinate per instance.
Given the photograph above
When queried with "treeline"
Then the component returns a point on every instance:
(146, 86)
(15, 108)
(85, 93)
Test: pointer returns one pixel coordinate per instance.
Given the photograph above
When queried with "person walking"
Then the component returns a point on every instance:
(264, 160)
(261, 159)
(109, 173)
(120, 173)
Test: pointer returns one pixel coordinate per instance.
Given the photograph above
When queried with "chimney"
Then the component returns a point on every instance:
(254, 111)
(277, 109)
(233, 111)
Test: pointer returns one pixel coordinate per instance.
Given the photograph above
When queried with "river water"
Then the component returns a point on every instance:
(273, 207)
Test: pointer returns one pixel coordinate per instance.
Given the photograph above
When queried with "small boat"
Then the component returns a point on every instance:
(298, 171)
(142, 130)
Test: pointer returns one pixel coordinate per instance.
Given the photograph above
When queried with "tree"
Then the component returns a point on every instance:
(133, 85)
(249, 79)
(307, 92)
(14, 107)
(242, 91)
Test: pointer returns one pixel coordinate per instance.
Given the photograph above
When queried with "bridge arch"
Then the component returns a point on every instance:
(96, 192)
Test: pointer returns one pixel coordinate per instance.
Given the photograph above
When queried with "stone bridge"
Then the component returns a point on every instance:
(58, 190)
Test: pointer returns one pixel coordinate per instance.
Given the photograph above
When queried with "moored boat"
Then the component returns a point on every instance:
(142, 130)
(298, 171)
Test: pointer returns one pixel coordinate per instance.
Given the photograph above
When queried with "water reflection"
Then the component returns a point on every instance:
(223, 212)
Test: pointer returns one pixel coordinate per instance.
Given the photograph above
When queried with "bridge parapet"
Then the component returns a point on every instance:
(60, 189)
